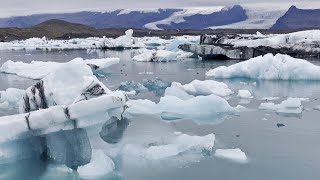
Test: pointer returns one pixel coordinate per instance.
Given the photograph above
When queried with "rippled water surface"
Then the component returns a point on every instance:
(274, 152)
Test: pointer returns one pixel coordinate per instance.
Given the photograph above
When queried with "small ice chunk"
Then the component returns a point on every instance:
(317, 108)
(244, 94)
(232, 154)
(99, 166)
(182, 144)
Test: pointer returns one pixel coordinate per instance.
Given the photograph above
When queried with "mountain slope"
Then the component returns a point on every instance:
(296, 18)
(174, 18)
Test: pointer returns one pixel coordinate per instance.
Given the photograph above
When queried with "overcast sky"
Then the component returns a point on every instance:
(27, 7)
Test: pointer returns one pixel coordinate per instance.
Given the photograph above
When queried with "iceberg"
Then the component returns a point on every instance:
(99, 166)
(126, 41)
(198, 88)
(40, 69)
(244, 94)
(156, 55)
(182, 144)
(235, 155)
(201, 109)
(289, 106)
(269, 67)
(157, 86)
(11, 96)
(317, 108)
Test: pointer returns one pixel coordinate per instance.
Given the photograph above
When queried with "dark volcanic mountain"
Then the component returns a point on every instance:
(296, 18)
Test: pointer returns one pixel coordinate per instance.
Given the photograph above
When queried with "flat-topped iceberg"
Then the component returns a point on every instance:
(198, 88)
(40, 69)
(269, 67)
(202, 109)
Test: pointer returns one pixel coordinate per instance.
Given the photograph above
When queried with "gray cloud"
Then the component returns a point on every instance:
(27, 7)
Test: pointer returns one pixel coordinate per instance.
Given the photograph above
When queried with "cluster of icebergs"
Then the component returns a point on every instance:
(69, 97)
(126, 41)
(305, 41)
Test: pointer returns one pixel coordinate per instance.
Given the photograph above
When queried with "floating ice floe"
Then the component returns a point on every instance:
(269, 67)
(201, 109)
(182, 144)
(198, 88)
(289, 106)
(40, 69)
(100, 165)
(244, 94)
(235, 155)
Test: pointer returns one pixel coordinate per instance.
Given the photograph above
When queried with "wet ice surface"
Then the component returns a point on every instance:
(284, 152)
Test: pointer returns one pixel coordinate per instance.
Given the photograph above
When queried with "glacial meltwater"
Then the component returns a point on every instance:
(277, 144)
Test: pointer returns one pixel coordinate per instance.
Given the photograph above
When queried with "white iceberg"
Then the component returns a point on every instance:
(232, 154)
(99, 166)
(289, 106)
(40, 69)
(11, 96)
(269, 67)
(198, 88)
(126, 41)
(156, 55)
(182, 144)
(244, 94)
(202, 109)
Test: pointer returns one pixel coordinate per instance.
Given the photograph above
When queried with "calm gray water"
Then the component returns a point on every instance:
(278, 153)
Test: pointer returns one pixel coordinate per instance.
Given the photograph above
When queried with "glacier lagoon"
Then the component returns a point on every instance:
(278, 145)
